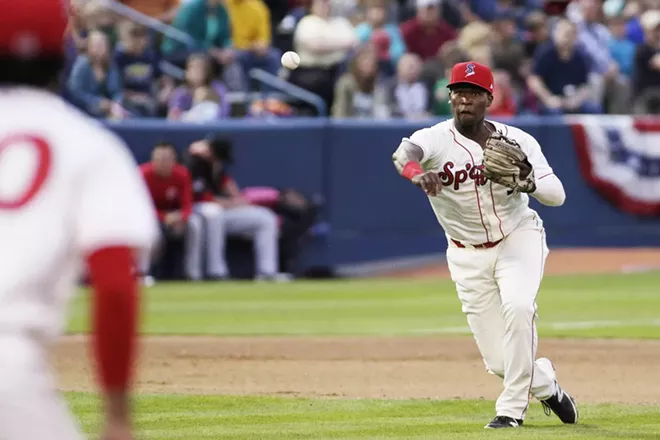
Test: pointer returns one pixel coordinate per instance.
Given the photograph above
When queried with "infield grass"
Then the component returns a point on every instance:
(610, 306)
(604, 306)
(265, 418)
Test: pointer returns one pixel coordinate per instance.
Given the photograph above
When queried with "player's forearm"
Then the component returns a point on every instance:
(407, 154)
(115, 316)
(549, 190)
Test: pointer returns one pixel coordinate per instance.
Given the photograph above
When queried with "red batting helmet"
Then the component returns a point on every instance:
(472, 73)
(32, 29)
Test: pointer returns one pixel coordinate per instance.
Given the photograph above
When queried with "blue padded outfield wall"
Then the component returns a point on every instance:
(373, 213)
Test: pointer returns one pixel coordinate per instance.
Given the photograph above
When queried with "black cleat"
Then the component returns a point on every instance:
(562, 405)
(504, 422)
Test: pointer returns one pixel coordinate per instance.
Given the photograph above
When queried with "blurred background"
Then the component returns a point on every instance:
(313, 145)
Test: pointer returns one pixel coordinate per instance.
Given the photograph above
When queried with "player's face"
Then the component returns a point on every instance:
(469, 104)
(163, 161)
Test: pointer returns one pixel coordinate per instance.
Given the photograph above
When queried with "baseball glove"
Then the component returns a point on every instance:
(506, 163)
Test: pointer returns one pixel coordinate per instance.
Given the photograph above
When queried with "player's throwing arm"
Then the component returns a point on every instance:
(407, 160)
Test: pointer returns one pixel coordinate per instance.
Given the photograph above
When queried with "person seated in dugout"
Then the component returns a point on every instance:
(224, 210)
(170, 186)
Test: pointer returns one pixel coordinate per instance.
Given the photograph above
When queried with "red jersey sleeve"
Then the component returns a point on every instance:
(115, 315)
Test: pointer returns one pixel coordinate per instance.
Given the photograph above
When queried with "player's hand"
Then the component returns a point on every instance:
(117, 417)
(173, 217)
(430, 182)
(117, 430)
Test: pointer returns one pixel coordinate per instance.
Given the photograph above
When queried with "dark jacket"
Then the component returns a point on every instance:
(208, 181)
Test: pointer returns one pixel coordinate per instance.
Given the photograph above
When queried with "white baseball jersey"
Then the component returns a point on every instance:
(469, 208)
(67, 187)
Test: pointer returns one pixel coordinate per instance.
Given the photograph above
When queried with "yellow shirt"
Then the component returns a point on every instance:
(250, 23)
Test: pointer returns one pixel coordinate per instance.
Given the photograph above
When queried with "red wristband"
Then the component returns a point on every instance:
(411, 169)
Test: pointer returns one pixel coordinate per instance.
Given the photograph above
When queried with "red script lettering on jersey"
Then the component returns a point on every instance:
(39, 175)
(450, 177)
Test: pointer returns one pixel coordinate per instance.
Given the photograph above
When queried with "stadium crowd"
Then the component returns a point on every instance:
(364, 58)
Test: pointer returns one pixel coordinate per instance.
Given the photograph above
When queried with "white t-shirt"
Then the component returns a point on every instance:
(470, 208)
(68, 186)
(312, 29)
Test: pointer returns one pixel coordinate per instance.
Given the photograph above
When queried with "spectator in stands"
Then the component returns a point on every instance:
(504, 98)
(560, 74)
(409, 94)
(345, 8)
(507, 48)
(476, 41)
(647, 66)
(376, 16)
(285, 28)
(449, 55)
(77, 31)
(163, 10)
(95, 82)
(594, 38)
(537, 32)
(138, 66)
(218, 199)
(479, 10)
(323, 42)
(380, 41)
(426, 33)
(94, 16)
(633, 10)
(201, 98)
(207, 22)
(488, 10)
(622, 49)
(278, 9)
(360, 92)
(251, 35)
(170, 186)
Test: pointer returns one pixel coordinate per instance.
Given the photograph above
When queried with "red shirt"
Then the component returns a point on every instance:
(426, 42)
(504, 103)
(173, 193)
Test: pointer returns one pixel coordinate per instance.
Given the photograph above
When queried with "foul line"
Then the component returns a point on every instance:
(574, 325)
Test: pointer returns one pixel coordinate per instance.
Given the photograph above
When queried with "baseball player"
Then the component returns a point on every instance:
(170, 186)
(70, 194)
(220, 203)
(478, 176)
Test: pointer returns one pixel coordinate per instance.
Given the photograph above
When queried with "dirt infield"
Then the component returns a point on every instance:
(419, 367)
(571, 261)
(424, 367)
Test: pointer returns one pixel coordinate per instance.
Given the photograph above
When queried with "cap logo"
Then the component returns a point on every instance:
(469, 70)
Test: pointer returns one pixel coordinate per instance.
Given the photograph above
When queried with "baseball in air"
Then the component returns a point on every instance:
(290, 60)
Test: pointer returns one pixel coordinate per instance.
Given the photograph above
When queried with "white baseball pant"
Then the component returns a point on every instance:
(30, 407)
(497, 288)
(258, 222)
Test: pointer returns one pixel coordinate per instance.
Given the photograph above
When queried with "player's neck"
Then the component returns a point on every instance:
(476, 132)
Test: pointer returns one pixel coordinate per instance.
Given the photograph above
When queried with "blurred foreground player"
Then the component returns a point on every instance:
(70, 193)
